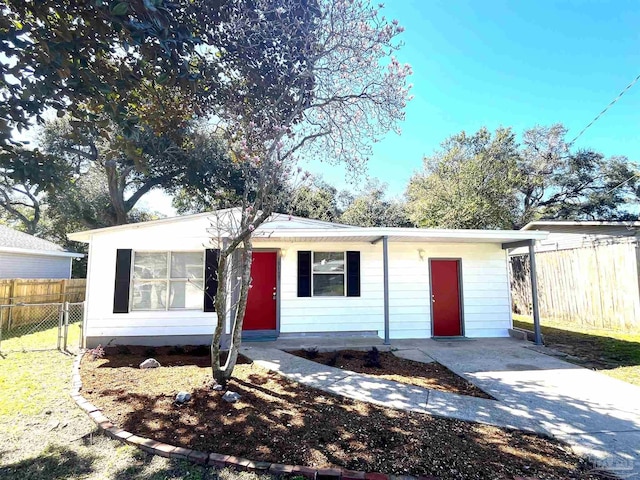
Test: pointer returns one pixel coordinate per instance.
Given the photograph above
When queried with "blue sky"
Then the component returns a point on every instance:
(518, 63)
(494, 63)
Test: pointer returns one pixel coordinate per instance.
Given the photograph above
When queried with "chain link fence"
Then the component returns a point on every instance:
(42, 326)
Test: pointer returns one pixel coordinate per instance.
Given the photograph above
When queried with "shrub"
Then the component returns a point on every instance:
(200, 351)
(333, 359)
(150, 352)
(311, 352)
(372, 359)
(123, 350)
(96, 353)
(177, 350)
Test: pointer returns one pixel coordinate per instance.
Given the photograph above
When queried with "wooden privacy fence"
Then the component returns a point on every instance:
(594, 286)
(38, 291)
(18, 290)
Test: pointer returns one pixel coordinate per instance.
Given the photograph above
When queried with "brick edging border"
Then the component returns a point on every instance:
(215, 459)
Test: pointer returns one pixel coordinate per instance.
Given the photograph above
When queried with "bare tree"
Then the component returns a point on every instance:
(324, 84)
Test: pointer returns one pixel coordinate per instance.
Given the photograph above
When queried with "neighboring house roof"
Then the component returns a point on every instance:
(570, 234)
(290, 228)
(14, 241)
(572, 225)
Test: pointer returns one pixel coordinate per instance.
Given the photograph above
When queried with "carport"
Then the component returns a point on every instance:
(530, 244)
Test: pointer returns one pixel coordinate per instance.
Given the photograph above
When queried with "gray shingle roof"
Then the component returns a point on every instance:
(14, 239)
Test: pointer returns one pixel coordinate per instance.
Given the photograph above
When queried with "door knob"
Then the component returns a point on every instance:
(433, 299)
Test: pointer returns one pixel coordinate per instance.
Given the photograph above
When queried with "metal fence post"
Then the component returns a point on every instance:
(60, 323)
(10, 317)
(65, 310)
(1, 323)
(82, 325)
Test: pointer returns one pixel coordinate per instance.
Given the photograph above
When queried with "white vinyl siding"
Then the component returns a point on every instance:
(485, 290)
(335, 313)
(18, 265)
(484, 279)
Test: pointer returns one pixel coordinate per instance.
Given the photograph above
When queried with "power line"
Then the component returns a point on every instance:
(622, 183)
(596, 119)
(605, 109)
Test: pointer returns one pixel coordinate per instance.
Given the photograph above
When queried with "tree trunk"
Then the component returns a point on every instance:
(248, 223)
(221, 309)
(116, 183)
(222, 373)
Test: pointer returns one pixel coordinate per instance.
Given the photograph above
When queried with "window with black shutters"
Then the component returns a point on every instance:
(328, 269)
(167, 281)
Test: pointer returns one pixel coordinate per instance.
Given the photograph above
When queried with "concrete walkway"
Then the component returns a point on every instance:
(597, 415)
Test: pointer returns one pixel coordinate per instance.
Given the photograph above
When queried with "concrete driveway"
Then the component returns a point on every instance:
(598, 415)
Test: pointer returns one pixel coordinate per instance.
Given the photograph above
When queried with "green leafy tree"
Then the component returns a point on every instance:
(88, 58)
(370, 208)
(25, 178)
(470, 183)
(212, 180)
(82, 203)
(317, 200)
(558, 183)
(490, 181)
(191, 159)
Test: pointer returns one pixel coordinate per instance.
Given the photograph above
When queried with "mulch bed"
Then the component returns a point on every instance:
(427, 375)
(281, 421)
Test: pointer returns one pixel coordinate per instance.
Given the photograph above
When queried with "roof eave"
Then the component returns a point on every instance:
(82, 237)
(47, 253)
(85, 235)
(418, 234)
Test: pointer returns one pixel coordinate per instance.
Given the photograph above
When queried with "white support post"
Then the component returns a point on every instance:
(385, 262)
(534, 294)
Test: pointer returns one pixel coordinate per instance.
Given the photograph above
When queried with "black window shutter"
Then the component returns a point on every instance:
(123, 280)
(210, 278)
(304, 274)
(353, 274)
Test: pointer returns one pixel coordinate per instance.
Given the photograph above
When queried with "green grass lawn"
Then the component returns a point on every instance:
(42, 340)
(45, 436)
(616, 354)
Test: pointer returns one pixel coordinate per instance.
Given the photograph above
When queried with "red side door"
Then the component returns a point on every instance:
(261, 303)
(445, 298)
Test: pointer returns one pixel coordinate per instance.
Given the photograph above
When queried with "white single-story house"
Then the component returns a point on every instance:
(26, 256)
(147, 282)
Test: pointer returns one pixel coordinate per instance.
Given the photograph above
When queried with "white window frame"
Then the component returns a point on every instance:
(344, 273)
(167, 280)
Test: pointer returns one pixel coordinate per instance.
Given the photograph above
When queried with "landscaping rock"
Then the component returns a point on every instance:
(183, 397)
(150, 363)
(231, 397)
(216, 388)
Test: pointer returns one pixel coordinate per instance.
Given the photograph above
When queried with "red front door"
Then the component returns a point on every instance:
(261, 303)
(445, 298)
